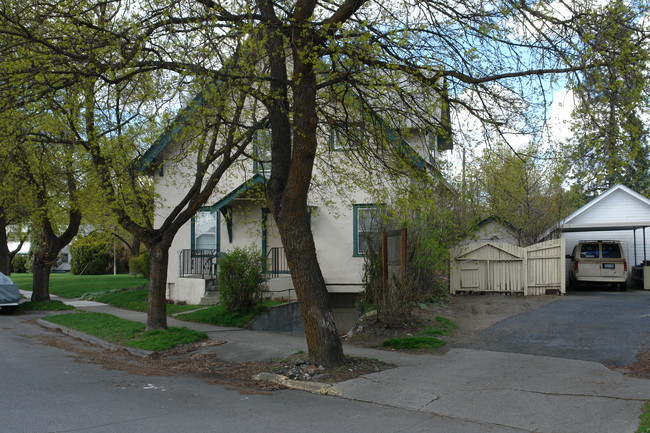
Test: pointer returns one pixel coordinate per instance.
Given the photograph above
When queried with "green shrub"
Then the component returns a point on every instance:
(19, 264)
(412, 343)
(241, 281)
(140, 265)
(91, 254)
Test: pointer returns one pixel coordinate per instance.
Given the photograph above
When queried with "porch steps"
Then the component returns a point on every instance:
(211, 295)
(209, 300)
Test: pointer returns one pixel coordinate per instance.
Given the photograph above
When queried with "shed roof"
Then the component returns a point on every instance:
(618, 208)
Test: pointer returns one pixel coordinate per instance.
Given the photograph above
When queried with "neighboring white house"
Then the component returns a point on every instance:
(617, 214)
(62, 264)
(236, 216)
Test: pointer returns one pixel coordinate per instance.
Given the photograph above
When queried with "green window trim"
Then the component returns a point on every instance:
(217, 223)
(262, 151)
(357, 210)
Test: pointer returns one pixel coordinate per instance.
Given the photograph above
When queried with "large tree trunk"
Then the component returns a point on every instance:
(158, 262)
(43, 261)
(48, 253)
(322, 337)
(287, 193)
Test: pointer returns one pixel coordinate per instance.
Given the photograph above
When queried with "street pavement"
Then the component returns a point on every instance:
(499, 391)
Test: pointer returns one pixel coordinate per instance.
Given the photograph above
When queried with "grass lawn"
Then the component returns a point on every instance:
(136, 299)
(218, 315)
(644, 427)
(45, 306)
(411, 343)
(67, 285)
(426, 338)
(126, 332)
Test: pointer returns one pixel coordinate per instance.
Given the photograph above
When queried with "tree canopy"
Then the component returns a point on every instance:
(610, 141)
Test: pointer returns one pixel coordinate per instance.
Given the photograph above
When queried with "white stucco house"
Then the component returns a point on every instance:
(342, 213)
(617, 214)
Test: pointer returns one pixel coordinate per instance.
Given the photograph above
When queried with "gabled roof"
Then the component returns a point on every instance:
(494, 250)
(498, 220)
(184, 117)
(618, 208)
(257, 179)
(180, 121)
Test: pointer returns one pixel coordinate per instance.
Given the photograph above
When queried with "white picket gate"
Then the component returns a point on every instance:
(493, 267)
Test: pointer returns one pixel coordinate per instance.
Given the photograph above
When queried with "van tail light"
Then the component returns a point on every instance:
(625, 265)
(575, 266)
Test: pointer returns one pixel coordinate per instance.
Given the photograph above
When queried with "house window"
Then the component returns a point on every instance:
(432, 145)
(366, 223)
(262, 151)
(205, 231)
(64, 258)
(346, 136)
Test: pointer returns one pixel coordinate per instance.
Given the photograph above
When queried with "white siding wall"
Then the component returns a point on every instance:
(618, 207)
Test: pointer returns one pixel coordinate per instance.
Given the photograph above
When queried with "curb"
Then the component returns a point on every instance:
(313, 387)
(92, 339)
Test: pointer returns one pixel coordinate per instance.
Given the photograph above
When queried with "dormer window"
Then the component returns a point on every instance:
(262, 151)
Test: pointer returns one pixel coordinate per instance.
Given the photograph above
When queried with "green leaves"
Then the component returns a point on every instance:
(610, 143)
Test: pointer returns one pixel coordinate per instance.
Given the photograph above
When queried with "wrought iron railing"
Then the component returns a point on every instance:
(203, 263)
(198, 264)
(276, 262)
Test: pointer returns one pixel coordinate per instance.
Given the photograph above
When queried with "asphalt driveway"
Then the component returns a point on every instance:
(601, 326)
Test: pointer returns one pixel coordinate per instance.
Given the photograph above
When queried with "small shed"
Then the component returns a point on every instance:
(493, 229)
(617, 214)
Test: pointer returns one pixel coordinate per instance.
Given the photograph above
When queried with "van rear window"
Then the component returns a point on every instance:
(589, 251)
(611, 251)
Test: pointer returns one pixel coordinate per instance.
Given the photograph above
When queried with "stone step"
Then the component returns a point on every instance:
(209, 299)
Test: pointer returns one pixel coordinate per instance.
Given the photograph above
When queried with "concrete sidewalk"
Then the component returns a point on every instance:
(503, 391)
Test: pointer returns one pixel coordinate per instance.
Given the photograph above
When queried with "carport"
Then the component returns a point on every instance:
(619, 210)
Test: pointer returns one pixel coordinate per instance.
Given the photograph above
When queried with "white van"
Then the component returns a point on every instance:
(598, 262)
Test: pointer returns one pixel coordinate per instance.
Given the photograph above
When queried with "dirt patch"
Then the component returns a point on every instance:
(185, 361)
(641, 368)
(472, 313)
(298, 367)
(182, 361)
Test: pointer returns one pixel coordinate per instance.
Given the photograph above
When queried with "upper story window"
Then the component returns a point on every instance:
(366, 223)
(262, 151)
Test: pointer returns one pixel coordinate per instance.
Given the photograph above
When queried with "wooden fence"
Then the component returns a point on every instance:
(503, 268)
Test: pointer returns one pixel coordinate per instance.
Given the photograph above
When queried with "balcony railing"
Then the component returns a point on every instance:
(276, 262)
(203, 263)
(199, 264)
